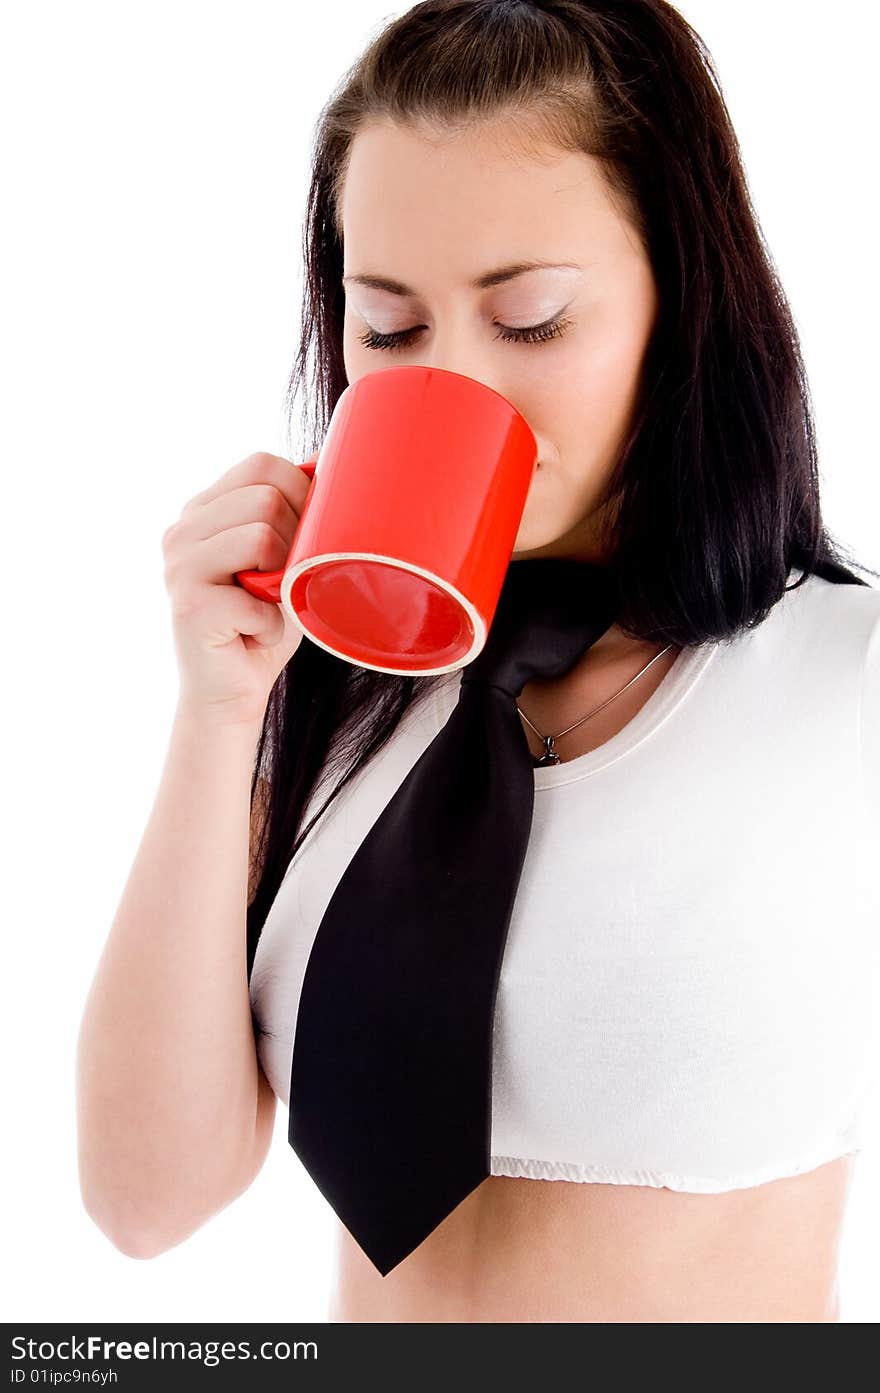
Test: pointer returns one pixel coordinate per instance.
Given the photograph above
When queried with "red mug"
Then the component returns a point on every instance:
(408, 527)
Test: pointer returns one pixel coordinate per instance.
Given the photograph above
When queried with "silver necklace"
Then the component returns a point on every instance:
(550, 756)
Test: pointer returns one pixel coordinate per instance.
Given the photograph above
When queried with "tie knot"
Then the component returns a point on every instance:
(549, 612)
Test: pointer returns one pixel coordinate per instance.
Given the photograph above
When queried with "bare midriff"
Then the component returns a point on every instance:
(558, 1251)
(555, 1250)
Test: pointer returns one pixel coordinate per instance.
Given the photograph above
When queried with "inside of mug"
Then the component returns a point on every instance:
(377, 613)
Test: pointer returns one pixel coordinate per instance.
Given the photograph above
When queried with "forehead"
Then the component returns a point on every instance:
(474, 197)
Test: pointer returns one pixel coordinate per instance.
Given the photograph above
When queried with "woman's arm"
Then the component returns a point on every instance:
(174, 1116)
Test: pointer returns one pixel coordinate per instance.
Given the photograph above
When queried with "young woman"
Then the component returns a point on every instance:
(549, 198)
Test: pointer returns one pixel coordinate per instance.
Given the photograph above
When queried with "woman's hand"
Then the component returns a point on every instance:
(230, 645)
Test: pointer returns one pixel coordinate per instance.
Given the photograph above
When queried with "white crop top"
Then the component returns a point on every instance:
(688, 991)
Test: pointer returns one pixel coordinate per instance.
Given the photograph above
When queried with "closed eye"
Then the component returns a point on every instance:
(534, 333)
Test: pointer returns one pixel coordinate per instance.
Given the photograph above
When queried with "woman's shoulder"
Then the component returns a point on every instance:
(822, 610)
(843, 621)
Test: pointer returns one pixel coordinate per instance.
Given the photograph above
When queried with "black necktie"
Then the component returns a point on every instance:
(391, 1075)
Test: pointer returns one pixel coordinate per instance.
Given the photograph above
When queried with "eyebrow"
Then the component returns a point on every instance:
(489, 278)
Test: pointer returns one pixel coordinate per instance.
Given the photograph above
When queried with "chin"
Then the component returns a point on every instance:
(527, 545)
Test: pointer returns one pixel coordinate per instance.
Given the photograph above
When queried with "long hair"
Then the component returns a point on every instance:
(715, 495)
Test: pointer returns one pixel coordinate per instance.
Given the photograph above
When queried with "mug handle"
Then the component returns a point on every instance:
(266, 585)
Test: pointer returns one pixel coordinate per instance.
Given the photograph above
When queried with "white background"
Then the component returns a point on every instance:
(154, 174)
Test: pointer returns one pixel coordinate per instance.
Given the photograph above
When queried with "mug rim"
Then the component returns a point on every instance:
(292, 573)
(427, 369)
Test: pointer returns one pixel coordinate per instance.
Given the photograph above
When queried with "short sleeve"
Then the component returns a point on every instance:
(870, 721)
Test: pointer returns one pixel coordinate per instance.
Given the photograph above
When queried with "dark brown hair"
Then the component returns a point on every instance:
(715, 497)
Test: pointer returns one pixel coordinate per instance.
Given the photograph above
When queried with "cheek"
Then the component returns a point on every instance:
(618, 368)
(357, 359)
(352, 352)
(595, 400)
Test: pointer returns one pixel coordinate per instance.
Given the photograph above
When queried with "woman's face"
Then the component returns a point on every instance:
(435, 212)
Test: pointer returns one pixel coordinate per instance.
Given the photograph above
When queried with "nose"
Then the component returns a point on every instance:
(454, 348)
(466, 366)
(473, 365)
(475, 368)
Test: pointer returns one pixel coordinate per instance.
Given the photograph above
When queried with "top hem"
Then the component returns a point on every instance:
(532, 1169)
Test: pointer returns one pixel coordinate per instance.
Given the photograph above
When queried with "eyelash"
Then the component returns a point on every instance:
(537, 333)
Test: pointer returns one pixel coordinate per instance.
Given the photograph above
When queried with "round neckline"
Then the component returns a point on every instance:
(682, 677)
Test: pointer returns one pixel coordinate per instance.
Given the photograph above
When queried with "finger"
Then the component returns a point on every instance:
(284, 631)
(259, 468)
(249, 546)
(238, 612)
(249, 503)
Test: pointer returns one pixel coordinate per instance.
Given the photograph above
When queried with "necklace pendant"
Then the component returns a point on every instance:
(549, 756)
